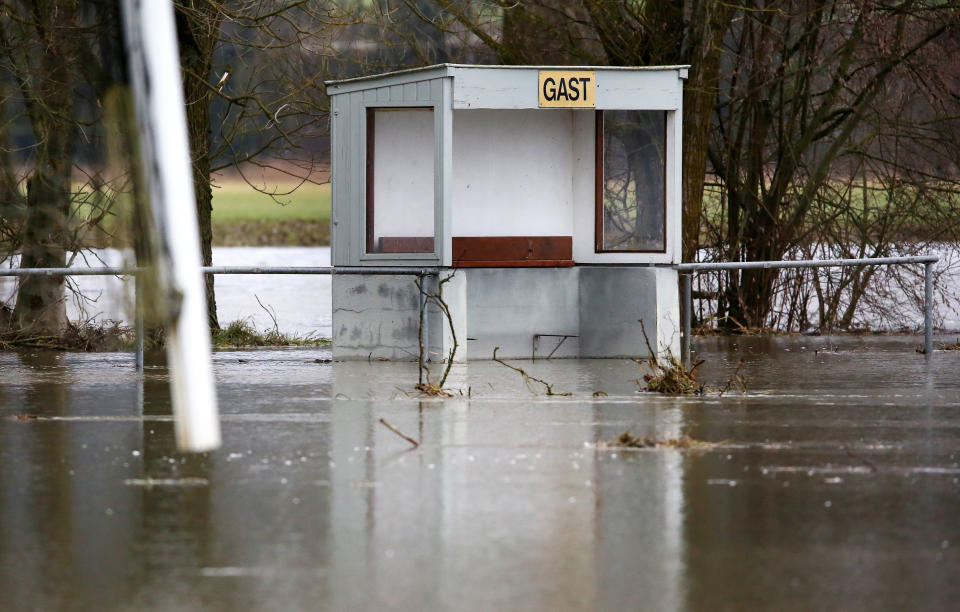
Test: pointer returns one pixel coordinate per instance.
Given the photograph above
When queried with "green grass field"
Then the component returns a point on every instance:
(237, 202)
(243, 216)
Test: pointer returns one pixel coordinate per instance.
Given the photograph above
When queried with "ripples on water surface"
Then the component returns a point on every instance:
(834, 484)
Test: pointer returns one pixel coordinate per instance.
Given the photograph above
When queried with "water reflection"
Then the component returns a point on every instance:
(503, 503)
(824, 490)
(64, 519)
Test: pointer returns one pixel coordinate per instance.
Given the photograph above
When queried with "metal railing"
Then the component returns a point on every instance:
(327, 270)
(686, 297)
(687, 293)
(138, 325)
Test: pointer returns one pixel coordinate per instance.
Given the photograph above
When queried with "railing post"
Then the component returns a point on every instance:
(928, 308)
(139, 357)
(424, 320)
(138, 321)
(687, 313)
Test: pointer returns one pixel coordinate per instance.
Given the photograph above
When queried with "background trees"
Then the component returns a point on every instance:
(805, 135)
(252, 76)
(818, 127)
(58, 60)
(252, 81)
(823, 127)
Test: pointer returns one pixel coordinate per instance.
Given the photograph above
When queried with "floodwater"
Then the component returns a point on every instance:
(834, 484)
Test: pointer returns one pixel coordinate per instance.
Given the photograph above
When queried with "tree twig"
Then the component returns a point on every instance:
(735, 380)
(423, 380)
(653, 354)
(526, 377)
(269, 312)
(399, 433)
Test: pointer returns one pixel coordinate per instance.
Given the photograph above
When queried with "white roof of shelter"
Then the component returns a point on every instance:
(415, 74)
(512, 87)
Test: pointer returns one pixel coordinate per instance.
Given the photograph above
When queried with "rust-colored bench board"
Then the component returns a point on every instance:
(512, 251)
(401, 244)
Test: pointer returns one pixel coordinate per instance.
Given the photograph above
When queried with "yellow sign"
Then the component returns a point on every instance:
(568, 89)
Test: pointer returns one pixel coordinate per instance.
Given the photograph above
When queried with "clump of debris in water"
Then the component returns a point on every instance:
(628, 440)
(428, 388)
(672, 378)
(668, 375)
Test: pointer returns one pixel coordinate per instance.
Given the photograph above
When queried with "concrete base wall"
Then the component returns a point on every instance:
(506, 307)
(613, 301)
(669, 323)
(584, 311)
(376, 315)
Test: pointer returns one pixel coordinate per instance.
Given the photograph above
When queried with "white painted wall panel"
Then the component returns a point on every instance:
(675, 186)
(669, 325)
(584, 191)
(403, 173)
(495, 89)
(512, 173)
(646, 90)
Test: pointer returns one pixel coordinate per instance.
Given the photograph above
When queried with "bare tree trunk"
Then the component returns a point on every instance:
(41, 305)
(198, 28)
(709, 22)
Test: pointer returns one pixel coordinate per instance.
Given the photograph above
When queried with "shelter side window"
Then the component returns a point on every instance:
(400, 180)
(631, 181)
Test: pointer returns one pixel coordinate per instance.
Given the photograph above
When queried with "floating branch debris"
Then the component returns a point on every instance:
(670, 376)
(949, 347)
(86, 336)
(736, 381)
(526, 377)
(399, 433)
(628, 440)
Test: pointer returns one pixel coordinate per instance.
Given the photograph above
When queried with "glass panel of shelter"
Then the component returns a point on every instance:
(631, 181)
(400, 180)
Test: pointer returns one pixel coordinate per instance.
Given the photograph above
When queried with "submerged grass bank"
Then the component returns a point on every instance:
(108, 337)
(242, 334)
(111, 337)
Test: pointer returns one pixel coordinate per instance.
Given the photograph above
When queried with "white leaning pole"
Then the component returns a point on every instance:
(155, 77)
